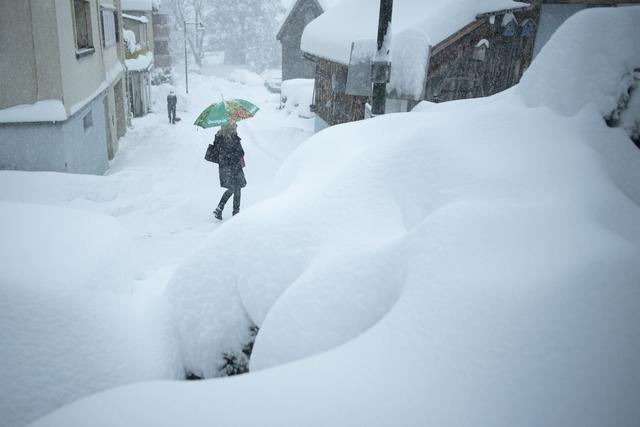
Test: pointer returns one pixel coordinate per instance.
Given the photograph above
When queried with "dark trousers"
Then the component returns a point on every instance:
(236, 199)
(172, 114)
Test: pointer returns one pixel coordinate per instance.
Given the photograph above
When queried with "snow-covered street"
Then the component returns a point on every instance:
(468, 258)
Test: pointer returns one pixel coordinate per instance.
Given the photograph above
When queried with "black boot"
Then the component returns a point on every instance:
(218, 213)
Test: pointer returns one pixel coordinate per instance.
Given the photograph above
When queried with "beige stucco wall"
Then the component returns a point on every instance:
(81, 77)
(18, 64)
(110, 54)
(28, 41)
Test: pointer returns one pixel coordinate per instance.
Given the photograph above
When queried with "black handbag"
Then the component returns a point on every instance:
(213, 153)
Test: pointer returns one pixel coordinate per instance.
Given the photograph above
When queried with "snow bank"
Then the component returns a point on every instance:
(412, 271)
(63, 248)
(330, 35)
(297, 95)
(68, 325)
(579, 67)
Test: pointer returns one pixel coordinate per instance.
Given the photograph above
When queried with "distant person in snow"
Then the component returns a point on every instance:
(230, 157)
(172, 100)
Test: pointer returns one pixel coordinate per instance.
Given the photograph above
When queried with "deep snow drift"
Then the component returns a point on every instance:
(470, 263)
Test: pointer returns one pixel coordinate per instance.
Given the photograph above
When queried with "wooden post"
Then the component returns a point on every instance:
(381, 69)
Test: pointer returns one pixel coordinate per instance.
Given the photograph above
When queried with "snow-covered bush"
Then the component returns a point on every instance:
(129, 39)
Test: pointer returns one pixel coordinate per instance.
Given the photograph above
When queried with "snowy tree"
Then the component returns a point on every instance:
(190, 11)
(246, 31)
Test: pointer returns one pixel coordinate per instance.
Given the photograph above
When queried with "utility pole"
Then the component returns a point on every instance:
(186, 63)
(381, 68)
(199, 27)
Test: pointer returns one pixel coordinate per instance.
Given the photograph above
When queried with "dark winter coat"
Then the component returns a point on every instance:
(172, 100)
(229, 160)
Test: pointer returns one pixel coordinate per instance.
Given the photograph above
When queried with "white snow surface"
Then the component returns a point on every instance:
(68, 325)
(42, 111)
(408, 270)
(142, 62)
(330, 35)
(592, 65)
(142, 19)
(409, 65)
(130, 40)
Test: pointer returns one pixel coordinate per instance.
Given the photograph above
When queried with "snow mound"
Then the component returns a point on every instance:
(53, 247)
(68, 326)
(579, 67)
(297, 95)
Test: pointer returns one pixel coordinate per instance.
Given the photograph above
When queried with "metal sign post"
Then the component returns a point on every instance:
(381, 68)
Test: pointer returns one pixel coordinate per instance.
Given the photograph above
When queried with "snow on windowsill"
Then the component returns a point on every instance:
(142, 19)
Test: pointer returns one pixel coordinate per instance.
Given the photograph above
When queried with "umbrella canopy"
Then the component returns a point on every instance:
(225, 112)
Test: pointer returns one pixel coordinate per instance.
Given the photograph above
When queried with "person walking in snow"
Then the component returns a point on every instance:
(230, 163)
(172, 101)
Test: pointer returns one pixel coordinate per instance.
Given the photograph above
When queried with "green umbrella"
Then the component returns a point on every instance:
(224, 112)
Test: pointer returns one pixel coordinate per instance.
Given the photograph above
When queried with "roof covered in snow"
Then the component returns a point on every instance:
(331, 34)
(324, 5)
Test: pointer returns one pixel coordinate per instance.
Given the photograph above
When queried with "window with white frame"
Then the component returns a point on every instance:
(82, 18)
(108, 27)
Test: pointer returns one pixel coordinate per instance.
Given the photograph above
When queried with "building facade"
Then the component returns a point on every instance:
(294, 64)
(484, 57)
(62, 99)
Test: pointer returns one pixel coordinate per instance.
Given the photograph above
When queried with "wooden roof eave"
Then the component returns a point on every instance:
(471, 27)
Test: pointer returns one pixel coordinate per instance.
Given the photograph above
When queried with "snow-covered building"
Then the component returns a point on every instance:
(441, 50)
(146, 46)
(301, 12)
(62, 99)
(139, 61)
